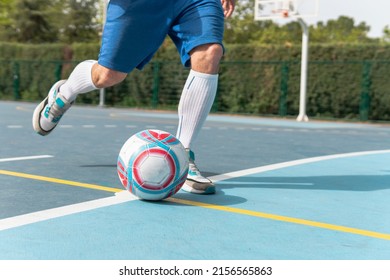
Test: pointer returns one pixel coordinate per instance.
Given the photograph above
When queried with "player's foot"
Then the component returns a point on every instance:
(49, 112)
(196, 183)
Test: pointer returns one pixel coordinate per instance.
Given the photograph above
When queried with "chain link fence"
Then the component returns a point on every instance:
(336, 89)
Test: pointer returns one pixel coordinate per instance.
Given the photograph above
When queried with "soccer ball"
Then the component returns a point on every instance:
(152, 164)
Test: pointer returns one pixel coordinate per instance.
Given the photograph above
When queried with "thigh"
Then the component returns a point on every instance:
(133, 32)
(199, 22)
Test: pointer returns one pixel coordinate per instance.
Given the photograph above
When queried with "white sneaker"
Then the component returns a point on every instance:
(196, 183)
(49, 112)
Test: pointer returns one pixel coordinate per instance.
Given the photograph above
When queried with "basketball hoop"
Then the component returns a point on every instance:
(285, 7)
(279, 9)
(284, 13)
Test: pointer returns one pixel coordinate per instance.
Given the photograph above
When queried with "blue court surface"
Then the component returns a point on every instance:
(286, 190)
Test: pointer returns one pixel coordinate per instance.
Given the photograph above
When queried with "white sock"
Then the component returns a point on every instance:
(195, 104)
(79, 81)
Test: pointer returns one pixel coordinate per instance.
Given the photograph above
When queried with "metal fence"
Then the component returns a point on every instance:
(336, 89)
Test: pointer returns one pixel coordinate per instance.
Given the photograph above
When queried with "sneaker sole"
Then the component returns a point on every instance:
(198, 188)
(37, 116)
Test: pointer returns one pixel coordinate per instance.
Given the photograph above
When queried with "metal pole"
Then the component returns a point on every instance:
(365, 94)
(304, 62)
(16, 80)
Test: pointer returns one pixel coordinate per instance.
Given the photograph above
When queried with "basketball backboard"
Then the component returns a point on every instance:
(276, 9)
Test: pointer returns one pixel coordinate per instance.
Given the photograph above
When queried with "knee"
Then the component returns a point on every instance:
(206, 58)
(103, 77)
(213, 52)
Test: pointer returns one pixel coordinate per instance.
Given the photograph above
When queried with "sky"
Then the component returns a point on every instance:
(375, 13)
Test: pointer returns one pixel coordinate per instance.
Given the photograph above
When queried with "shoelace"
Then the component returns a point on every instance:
(56, 112)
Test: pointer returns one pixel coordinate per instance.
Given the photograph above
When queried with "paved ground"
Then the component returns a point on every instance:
(286, 190)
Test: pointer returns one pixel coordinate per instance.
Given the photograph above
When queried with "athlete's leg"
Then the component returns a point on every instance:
(103, 77)
(201, 50)
(125, 46)
(195, 104)
(87, 76)
(199, 91)
(206, 58)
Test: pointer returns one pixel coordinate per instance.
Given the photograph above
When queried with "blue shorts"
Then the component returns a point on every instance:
(135, 29)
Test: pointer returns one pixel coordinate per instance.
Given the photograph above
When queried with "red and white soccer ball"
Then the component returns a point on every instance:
(152, 164)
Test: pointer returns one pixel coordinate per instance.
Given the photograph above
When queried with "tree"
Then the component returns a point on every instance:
(342, 29)
(26, 21)
(79, 21)
(6, 7)
(386, 34)
(41, 21)
(29, 22)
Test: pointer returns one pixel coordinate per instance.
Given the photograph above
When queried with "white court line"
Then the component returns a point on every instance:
(14, 126)
(25, 158)
(125, 196)
(66, 126)
(266, 168)
(44, 215)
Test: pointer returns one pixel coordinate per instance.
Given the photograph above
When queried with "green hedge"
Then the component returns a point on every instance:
(345, 80)
(27, 71)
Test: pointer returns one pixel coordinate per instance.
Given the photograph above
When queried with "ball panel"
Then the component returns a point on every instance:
(181, 157)
(122, 172)
(157, 170)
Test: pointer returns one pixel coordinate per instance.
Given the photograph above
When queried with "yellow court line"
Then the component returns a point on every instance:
(59, 181)
(284, 219)
(274, 217)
